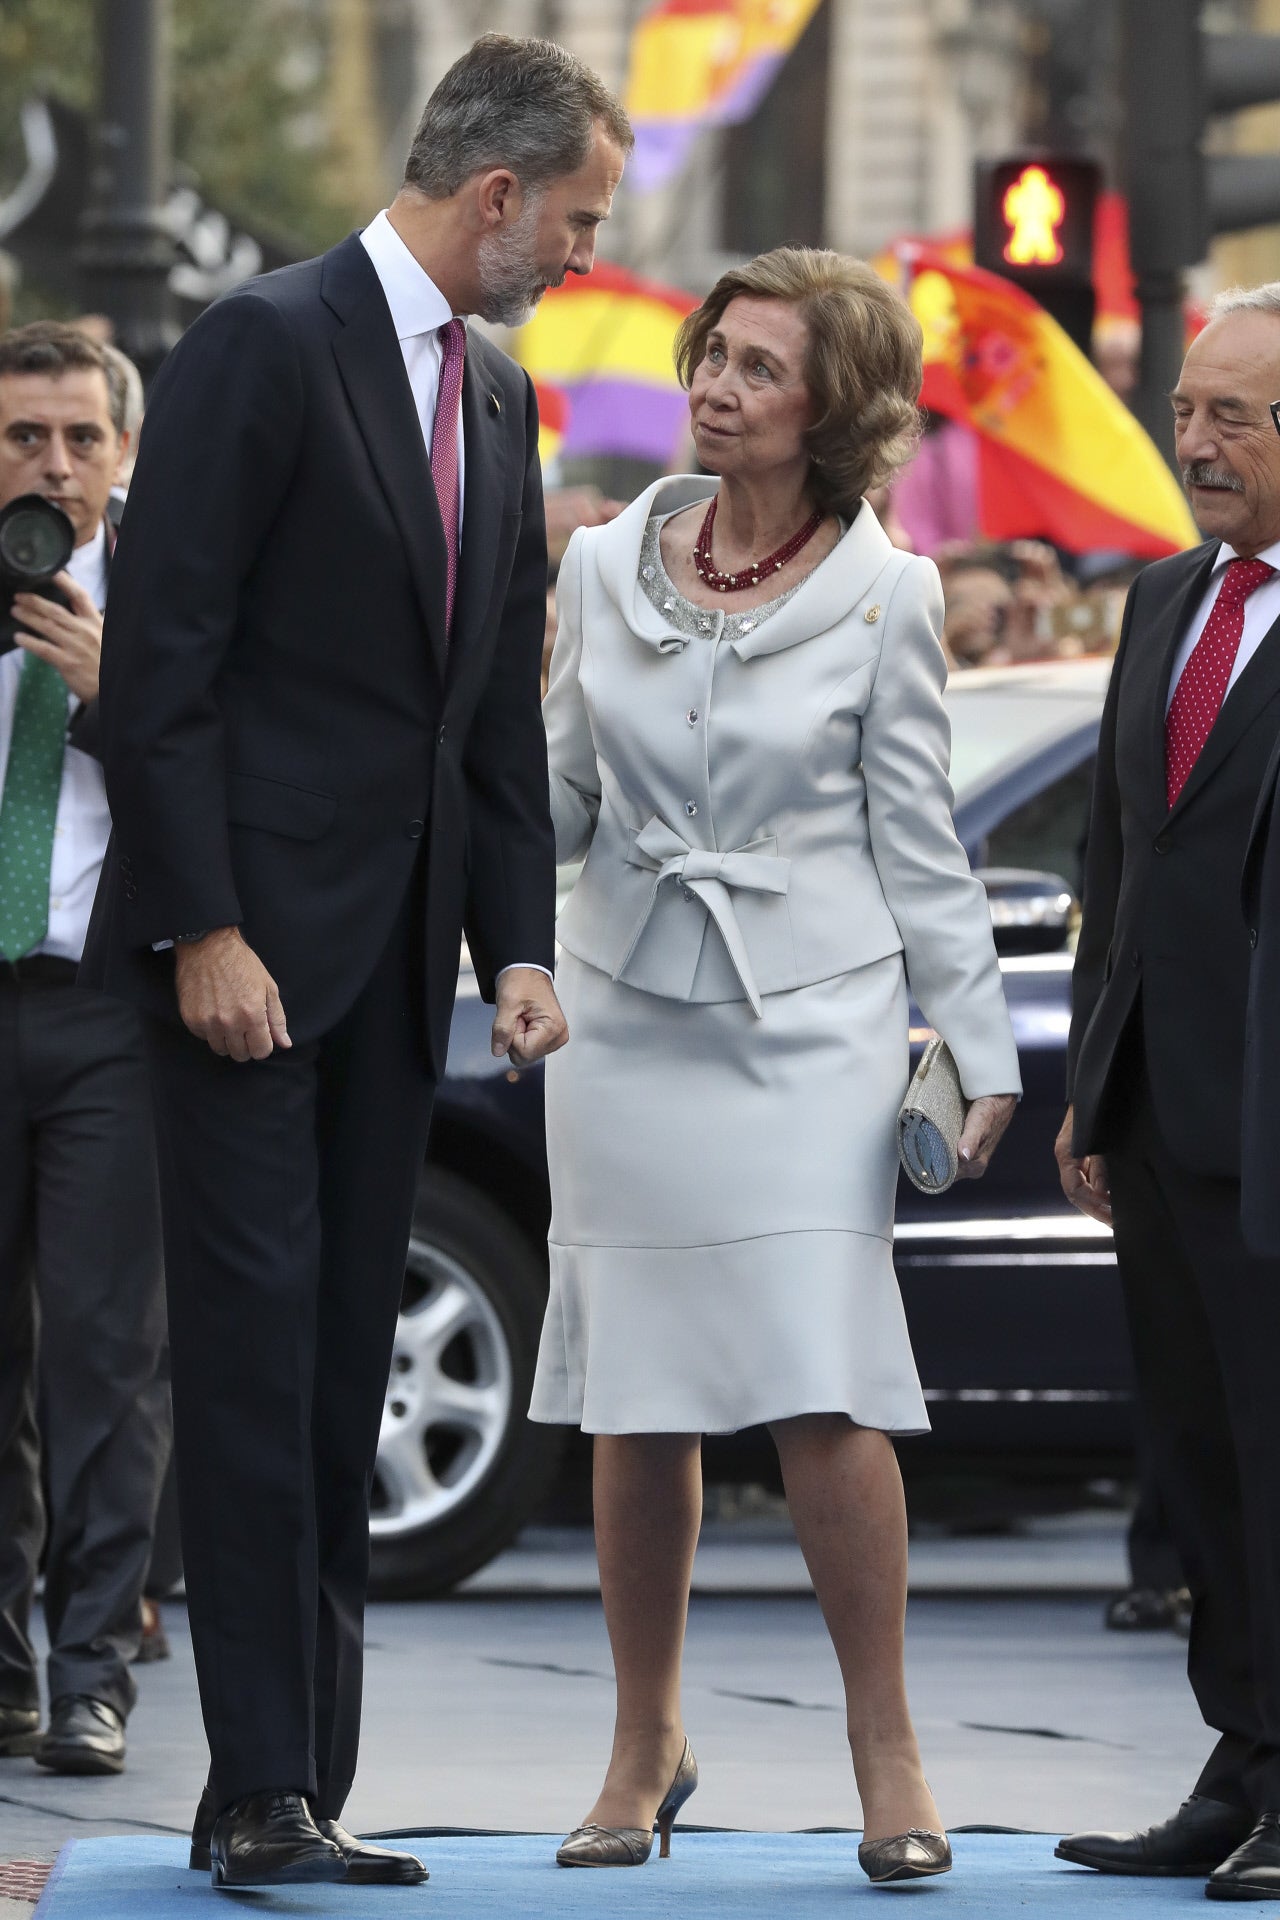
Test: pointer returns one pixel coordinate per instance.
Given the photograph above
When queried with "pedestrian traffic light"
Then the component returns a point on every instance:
(1033, 224)
(1176, 77)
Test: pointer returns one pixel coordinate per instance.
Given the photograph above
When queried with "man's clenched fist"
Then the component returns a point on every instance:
(227, 997)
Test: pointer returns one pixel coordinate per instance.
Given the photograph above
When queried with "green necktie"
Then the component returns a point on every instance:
(29, 808)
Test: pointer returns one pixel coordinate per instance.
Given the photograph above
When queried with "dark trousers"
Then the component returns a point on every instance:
(1204, 1315)
(81, 1338)
(1153, 1558)
(287, 1187)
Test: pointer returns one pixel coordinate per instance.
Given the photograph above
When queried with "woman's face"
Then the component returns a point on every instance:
(748, 404)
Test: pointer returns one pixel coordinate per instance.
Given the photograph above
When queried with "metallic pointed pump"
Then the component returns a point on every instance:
(596, 1846)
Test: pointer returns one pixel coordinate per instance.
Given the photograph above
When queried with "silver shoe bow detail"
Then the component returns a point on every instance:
(711, 877)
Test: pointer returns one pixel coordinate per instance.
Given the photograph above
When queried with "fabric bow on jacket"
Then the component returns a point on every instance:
(708, 877)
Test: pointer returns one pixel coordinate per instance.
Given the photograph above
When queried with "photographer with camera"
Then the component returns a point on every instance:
(79, 1219)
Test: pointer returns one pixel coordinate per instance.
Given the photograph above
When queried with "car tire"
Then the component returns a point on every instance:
(460, 1467)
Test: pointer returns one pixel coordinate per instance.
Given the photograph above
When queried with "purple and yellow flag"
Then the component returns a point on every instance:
(605, 344)
(702, 63)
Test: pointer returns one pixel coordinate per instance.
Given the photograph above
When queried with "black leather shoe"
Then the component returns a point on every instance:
(1197, 1839)
(84, 1736)
(270, 1840)
(373, 1866)
(1253, 1871)
(202, 1834)
(19, 1731)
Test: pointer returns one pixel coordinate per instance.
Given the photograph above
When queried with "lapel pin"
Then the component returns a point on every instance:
(495, 405)
(871, 615)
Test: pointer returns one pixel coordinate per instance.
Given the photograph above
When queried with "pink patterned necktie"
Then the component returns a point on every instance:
(1202, 688)
(444, 451)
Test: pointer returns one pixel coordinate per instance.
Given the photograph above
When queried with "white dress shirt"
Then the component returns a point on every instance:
(418, 311)
(1261, 611)
(83, 823)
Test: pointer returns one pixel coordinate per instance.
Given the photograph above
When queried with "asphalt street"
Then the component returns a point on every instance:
(492, 1708)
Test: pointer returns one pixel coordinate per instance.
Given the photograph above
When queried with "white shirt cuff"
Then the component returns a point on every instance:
(531, 966)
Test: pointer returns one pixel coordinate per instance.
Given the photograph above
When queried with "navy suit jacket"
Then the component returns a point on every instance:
(283, 719)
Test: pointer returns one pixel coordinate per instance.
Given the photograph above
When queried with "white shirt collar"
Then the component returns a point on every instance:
(416, 302)
(1225, 554)
(88, 565)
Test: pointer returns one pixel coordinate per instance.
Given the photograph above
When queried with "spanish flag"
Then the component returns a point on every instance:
(702, 63)
(1061, 457)
(553, 418)
(606, 343)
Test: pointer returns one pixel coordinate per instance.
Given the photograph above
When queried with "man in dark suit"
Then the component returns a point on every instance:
(324, 754)
(1156, 1063)
(84, 1404)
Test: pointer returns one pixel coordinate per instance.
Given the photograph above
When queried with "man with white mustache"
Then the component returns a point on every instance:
(1157, 1068)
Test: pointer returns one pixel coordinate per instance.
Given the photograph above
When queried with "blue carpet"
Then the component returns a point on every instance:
(731, 1876)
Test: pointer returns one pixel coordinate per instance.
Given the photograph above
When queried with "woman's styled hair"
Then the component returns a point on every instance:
(862, 364)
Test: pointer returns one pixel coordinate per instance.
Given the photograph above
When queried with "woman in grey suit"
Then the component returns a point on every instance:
(747, 742)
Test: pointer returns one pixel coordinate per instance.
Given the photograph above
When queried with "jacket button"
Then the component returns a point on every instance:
(1135, 961)
(130, 890)
(691, 808)
(1162, 843)
(1253, 936)
(692, 716)
(414, 829)
(440, 737)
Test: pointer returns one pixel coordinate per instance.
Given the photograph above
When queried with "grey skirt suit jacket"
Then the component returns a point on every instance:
(769, 858)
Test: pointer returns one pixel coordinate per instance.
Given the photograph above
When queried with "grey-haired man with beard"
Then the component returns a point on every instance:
(324, 756)
(1158, 1062)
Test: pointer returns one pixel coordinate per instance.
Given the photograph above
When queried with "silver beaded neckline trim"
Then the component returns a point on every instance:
(662, 593)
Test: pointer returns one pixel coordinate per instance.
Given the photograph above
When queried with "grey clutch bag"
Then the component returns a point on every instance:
(931, 1120)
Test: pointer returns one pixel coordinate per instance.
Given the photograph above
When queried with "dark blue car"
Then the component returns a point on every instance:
(1010, 1294)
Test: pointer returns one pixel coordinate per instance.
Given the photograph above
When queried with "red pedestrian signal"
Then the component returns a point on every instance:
(1033, 224)
(1033, 208)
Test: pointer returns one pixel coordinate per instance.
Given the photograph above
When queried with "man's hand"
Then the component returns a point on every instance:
(1083, 1181)
(69, 638)
(227, 997)
(527, 1023)
(987, 1119)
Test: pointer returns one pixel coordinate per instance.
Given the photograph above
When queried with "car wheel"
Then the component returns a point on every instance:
(460, 1469)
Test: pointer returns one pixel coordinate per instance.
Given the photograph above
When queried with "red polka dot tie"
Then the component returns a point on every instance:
(1203, 686)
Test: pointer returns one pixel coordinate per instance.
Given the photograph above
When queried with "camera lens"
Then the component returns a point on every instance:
(36, 540)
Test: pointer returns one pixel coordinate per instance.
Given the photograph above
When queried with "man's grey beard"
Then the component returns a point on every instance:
(511, 284)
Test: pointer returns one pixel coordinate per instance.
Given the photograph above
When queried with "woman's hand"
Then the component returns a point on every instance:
(988, 1117)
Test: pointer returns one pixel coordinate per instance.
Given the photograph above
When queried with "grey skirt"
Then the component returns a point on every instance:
(722, 1209)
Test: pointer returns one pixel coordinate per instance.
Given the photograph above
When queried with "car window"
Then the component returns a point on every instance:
(1047, 832)
(992, 727)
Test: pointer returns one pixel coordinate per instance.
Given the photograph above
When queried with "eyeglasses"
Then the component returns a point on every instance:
(1275, 414)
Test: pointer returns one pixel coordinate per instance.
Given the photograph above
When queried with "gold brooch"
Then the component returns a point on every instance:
(871, 615)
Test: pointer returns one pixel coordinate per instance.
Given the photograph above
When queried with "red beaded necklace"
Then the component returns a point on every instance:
(752, 575)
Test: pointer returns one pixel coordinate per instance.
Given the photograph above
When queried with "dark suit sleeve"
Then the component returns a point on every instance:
(1104, 860)
(217, 450)
(510, 910)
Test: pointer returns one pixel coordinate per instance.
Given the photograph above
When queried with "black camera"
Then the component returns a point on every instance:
(36, 541)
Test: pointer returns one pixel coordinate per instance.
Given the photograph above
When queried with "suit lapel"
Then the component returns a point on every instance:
(483, 438)
(1167, 621)
(372, 369)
